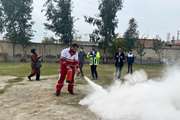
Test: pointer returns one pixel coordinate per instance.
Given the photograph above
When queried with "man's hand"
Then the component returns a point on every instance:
(68, 67)
(39, 57)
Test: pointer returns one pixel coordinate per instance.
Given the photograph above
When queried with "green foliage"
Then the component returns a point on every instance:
(17, 20)
(131, 35)
(94, 37)
(157, 47)
(106, 22)
(140, 48)
(60, 20)
(1, 19)
(117, 43)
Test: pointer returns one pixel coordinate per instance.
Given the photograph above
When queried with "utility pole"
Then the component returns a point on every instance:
(178, 33)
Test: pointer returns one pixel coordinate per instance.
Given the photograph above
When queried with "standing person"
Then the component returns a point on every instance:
(35, 65)
(94, 57)
(81, 56)
(69, 64)
(130, 61)
(119, 62)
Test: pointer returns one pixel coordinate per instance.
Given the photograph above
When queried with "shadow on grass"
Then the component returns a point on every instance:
(2, 91)
(16, 80)
(10, 83)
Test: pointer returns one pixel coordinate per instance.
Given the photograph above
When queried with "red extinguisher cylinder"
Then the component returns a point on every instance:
(69, 76)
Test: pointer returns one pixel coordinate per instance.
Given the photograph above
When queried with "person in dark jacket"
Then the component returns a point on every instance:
(35, 65)
(119, 62)
(130, 61)
(81, 57)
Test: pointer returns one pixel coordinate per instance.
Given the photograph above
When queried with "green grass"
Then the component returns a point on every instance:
(23, 69)
(106, 72)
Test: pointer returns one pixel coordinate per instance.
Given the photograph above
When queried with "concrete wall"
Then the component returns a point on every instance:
(167, 55)
(49, 52)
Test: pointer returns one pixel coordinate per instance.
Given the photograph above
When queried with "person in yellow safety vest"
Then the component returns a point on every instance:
(94, 57)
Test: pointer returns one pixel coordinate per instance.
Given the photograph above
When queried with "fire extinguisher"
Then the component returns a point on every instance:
(69, 76)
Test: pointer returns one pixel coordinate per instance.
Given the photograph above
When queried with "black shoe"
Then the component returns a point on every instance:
(57, 93)
(68, 81)
(71, 92)
(29, 78)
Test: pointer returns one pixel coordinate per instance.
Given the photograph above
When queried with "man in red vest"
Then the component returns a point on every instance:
(69, 64)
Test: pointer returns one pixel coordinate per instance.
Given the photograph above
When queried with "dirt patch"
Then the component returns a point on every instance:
(4, 82)
(35, 100)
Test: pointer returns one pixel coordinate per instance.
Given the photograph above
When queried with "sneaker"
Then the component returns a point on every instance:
(57, 93)
(29, 78)
(72, 93)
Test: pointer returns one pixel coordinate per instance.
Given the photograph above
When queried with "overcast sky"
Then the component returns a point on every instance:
(153, 17)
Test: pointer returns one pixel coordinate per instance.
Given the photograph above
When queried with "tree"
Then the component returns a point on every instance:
(106, 22)
(131, 35)
(140, 48)
(94, 37)
(157, 47)
(117, 43)
(1, 18)
(60, 20)
(17, 21)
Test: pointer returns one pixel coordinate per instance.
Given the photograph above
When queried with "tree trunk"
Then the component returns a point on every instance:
(23, 59)
(141, 59)
(13, 45)
(104, 56)
(44, 52)
(159, 55)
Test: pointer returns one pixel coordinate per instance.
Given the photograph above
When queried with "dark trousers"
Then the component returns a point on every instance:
(35, 71)
(94, 71)
(81, 69)
(118, 71)
(130, 68)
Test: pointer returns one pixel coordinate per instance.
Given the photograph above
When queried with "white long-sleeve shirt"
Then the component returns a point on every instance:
(65, 54)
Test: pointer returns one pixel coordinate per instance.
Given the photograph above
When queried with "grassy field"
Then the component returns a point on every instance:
(23, 69)
(106, 72)
(36, 100)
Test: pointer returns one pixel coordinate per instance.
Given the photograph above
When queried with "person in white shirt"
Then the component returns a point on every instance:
(69, 62)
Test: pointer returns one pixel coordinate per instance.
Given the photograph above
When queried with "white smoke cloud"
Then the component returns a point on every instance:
(137, 99)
